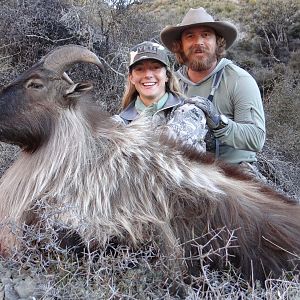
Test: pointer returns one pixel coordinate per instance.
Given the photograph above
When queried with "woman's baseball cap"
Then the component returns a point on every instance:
(148, 50)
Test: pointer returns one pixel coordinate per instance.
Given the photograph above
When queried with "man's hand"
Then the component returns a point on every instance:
(211, 113)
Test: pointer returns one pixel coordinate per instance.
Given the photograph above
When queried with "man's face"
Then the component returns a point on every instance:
(199, 45)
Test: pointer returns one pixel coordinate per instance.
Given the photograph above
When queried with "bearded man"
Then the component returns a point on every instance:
(227, 94)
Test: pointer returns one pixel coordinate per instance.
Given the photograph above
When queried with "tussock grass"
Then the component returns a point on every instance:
(49, 270)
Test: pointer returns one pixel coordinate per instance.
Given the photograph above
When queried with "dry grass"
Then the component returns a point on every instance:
(43, 268)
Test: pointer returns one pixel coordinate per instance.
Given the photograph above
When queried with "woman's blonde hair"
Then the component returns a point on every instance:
(130, 94)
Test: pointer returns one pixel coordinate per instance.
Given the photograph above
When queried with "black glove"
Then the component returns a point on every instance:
(210, 111)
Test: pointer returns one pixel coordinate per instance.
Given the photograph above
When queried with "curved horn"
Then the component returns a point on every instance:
(62, 58)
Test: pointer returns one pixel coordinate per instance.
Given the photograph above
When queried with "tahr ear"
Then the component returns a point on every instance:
(77, 89)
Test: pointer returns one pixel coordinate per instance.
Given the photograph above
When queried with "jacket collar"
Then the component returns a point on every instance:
(130, 113)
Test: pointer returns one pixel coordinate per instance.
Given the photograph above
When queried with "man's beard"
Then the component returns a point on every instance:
(199, 64)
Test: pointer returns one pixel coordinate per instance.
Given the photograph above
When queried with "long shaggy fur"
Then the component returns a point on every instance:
(128, 183)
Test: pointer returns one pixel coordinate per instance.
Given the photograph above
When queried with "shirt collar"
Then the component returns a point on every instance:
(182, 73)
(153, 108)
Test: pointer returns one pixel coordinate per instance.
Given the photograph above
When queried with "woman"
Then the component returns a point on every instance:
(153, 90)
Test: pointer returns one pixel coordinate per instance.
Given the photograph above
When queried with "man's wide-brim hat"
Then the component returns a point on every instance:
(199, 17)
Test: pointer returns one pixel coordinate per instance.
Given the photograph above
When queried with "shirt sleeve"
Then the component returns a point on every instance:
(246, 130)
(188, 124)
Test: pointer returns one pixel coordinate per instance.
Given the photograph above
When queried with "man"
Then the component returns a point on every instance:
(228, 95)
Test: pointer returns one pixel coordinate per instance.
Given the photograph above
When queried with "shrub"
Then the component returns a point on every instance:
(283, 110)
(273, 24)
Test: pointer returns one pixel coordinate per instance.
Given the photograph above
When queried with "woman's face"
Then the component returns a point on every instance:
(149, 77)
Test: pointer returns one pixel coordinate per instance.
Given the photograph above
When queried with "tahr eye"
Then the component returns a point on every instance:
(34, 84)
